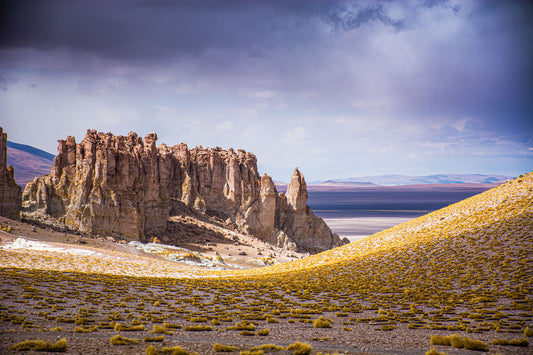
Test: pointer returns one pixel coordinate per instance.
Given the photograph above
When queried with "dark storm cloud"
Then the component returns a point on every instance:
(132, 29)
(152, 29)
(342, 49)
(450, 74)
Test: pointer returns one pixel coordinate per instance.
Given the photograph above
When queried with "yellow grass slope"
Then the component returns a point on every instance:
(467, 268)
(479, 234)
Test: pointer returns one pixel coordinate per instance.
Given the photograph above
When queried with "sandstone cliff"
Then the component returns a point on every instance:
(128, 187)
(10, 192)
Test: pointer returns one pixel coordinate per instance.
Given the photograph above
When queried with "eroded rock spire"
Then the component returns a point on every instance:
(127, 186)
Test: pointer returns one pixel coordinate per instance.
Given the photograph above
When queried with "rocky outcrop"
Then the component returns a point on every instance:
(128, 187)
(10, 192)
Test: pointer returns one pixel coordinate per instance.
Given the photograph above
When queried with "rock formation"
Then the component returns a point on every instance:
(128, 187)
(10, 192)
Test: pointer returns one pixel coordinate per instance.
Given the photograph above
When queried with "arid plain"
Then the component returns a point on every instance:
(463, 271)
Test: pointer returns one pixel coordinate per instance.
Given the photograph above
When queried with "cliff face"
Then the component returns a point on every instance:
(126, 186)
(10, 192)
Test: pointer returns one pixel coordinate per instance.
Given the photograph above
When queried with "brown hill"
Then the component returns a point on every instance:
(27, 165)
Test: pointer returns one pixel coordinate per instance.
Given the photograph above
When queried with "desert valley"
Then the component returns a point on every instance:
(131, 248)
(278, 177)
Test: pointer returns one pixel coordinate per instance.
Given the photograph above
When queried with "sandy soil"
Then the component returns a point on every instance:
(237, 250)
(31, 295)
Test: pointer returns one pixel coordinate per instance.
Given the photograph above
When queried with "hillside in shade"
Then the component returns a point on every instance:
(464, 271)
(29, 162)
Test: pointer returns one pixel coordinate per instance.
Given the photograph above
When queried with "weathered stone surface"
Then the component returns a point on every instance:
(128, 187)
(10, 192)
(297, 224)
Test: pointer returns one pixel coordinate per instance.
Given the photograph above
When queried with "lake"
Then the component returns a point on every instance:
(357, 214)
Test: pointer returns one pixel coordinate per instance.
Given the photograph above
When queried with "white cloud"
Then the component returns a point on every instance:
(295, 136)
(225, 126)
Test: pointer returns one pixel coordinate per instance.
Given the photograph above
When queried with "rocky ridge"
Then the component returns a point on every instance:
(128, 187)
(10, 192)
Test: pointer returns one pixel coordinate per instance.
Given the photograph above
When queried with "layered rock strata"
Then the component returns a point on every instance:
(126, 186)
(10, 192)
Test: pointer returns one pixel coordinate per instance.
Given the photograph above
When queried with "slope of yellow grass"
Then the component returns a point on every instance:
(497, 220)
(467, 268)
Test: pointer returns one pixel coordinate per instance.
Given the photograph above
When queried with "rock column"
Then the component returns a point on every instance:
(10, 192)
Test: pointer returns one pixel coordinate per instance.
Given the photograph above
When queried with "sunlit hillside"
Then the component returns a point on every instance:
(464, 270)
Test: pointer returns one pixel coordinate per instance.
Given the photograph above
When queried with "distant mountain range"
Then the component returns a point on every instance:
(392, 180)
(29, 162)
(401, 180)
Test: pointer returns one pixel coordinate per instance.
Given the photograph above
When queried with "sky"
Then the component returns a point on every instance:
(337, 88)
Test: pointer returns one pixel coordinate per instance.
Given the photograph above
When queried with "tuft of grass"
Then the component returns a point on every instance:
(161, 329)
(176, 350)
(244, 325)
(154, 339)
(219, 348)
(387, 327)
(299, 348)
(250, 352)
(85, 330)
(322, 322)
(263, 332)
(198, 328)
(40, 345)
(128, 328)
(268, 347)
(119, 340)
(151, 350)
(433, 351)
(528, 332)
(198, 319)
(438, 340)
(247, 333)
(471, 344)
(171, 326)
(456, 341)
(514, 342)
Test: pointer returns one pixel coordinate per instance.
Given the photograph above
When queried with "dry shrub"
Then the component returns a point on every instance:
(154, 339)
(198, 328)
(247, 333)
(151, 350)
(438, 340)
(176, 350)
(322, 322)
(433, 351)
(119, 340)
(250, 352)
(514, 342)
(528, 332)
(40, 345)
(263, 332)
(128, 328)
(298, 348)
(161, 330)
(268, 347)
(219, 348)
(456, 341)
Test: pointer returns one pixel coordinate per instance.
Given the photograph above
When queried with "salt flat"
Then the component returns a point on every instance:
(355, 228)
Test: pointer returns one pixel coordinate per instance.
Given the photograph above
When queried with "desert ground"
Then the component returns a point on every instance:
(463, 273)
